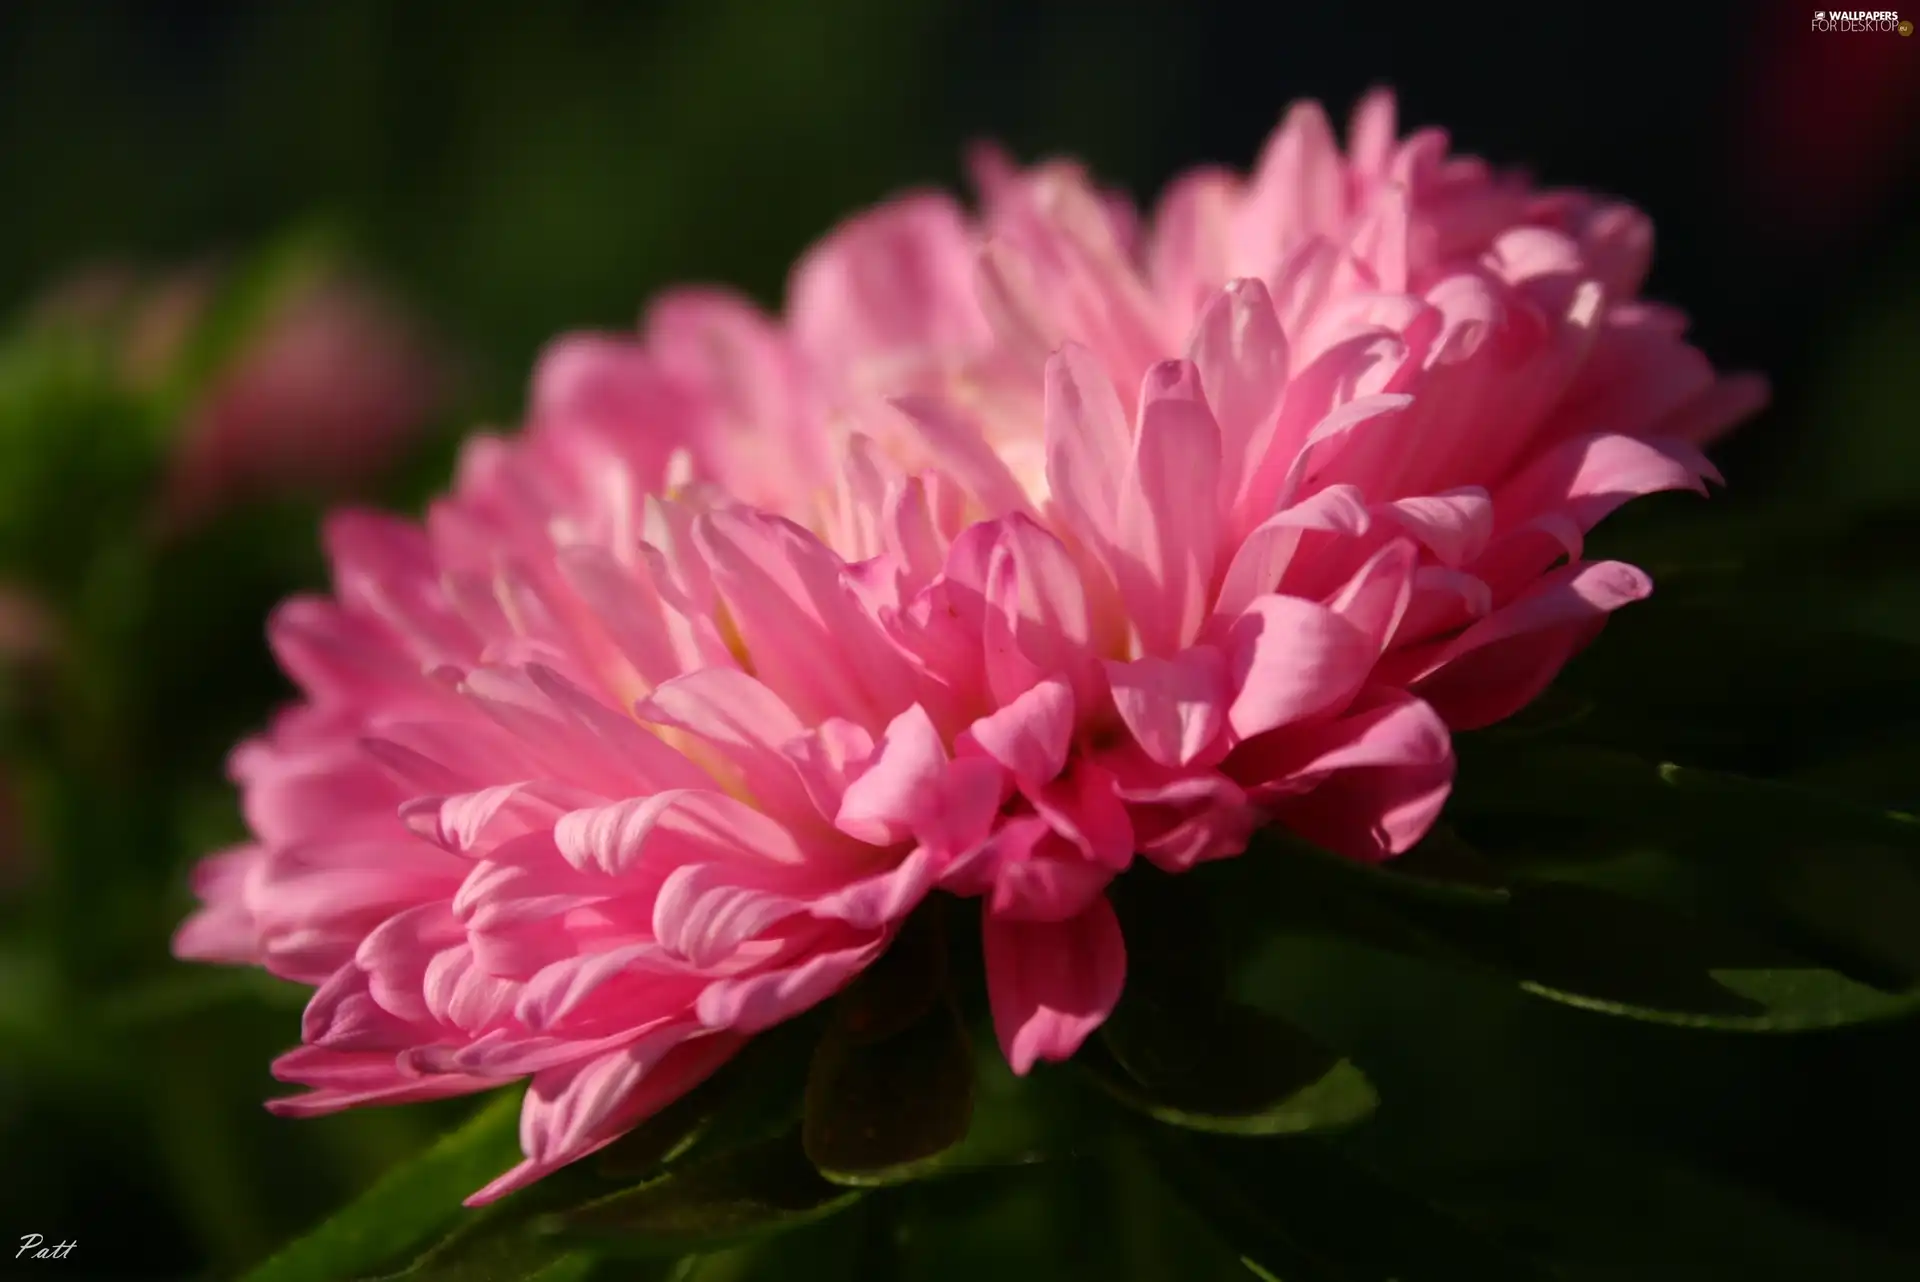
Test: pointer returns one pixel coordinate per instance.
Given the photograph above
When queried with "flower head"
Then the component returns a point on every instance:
(1025, 546)
(1273, 494)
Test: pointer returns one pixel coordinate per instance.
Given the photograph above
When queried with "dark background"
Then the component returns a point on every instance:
(517, 170)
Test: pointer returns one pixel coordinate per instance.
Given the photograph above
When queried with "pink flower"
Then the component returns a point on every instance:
(1276, 492)
(322, 401)
(1019, 549)
(565, 805)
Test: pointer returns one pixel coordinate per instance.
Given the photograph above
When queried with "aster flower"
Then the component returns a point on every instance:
(1277, 492)
(1023, 546)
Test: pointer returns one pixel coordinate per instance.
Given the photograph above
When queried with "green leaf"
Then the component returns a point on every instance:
(1047, 1116)
(900, 989)
(1853, 908)
(840, 1247)
(667, 1136)
(504, 1241)
(1740, 671)
(1299, 1210)
(1578, 944)
(479, 1256)
(757, 1098)
(1442, 866)
(888, 1109)
(1249, 1073)
(1188, 1055)
(406, 1206)
(702, 1206)
(1614, 955)
(1601, 785)
(1105, 1220)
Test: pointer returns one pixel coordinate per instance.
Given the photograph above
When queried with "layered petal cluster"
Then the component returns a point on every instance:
(1028, 543)
(537, 818)
(1274, 491)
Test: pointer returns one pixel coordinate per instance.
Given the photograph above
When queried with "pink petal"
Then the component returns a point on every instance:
(1375, 599)
(1711, 414)
(1298, 189)
(1242, 358)
(1052, 983)
(1261, 562)
(350, 1079)
(1037, 622)
(811, 640)
(1044, 880)
(827, 758)
(1587, 479)
(1454, 526)
(1383, 774)
(1032, 734)
(1084, 807)
(576, 1110)
(1290, 659)
(1174, 707)
(703, 914)
(899, 786)
(746, 722)
(1497, 666)
(883, 899)
(223, 929)
(1169, 520)
(1192, 236)
(1088, 443)
(673, 828)
(1372, 132)
(894, 282)
(461, 994)
(759, 1001)
(1015, 310)
(342, 1015)
(631, 984)
(959, 448)
(397, 954)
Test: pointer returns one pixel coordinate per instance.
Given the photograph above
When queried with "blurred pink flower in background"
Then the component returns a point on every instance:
(1022, 547)
(325, 396)
(325, 399)
(26, 632)
(25, 629)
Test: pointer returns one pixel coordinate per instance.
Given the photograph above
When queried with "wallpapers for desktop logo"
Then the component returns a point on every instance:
(1857, 20)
